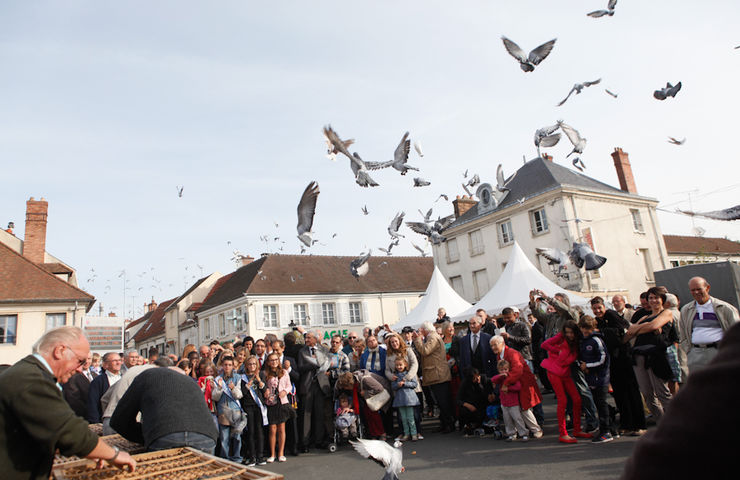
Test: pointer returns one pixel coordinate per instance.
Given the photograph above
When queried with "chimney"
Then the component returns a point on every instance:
(111, 314)
(624, 171)
(246, 260)
(151, 306)
(34, 243)
(462, 205)
(547, 157)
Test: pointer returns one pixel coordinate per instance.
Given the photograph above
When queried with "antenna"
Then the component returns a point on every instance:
(691, 205)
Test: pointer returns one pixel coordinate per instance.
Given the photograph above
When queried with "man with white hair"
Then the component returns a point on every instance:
(475, 350)
(620, 306)
(313, 388)
(130, 359)
(436, 373)
(35, 420)
(529, 394)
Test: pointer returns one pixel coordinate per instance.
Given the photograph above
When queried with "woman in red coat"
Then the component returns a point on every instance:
(562, 351)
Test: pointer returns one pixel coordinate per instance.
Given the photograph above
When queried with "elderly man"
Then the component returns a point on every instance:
(620, 307)
(436, 372)
(441, 317)
(475, 350)
(130, 359)
(35, 420)
(205, 352)
(703, 324)
(347, 349)
(110, 375)
(529, 394)
(313, 389)
(77, 388)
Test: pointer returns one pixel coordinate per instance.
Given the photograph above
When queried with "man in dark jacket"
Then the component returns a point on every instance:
(35, 420)
(77, 388)
(475, 350)
(109, 376)
(313, 388)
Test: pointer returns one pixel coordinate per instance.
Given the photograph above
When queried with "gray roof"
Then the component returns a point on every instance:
(537, 177)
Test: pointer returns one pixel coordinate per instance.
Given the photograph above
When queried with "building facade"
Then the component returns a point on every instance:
(685, 250)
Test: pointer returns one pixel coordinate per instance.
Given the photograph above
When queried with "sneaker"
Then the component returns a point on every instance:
(270, 459)
(490, 423)
(282, 459)
(414, 438)
(525, 438)
(510, 438)
(398, 438)
(261, 461)
(479, 432)
(403, 438)
(607, 437)
(537, 434)
(420, 436)
(250, 462)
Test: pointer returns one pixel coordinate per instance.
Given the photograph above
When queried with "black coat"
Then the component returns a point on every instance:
(75, 393)
(98, 387)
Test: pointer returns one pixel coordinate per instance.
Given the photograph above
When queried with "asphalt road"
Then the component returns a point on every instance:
(455, 457)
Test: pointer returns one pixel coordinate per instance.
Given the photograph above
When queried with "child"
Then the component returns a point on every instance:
(279, 410)
(510, 404)
(226, 392)
(405, 399)
(95, 365)
(562, 351)
(594, 361)
(346, 418)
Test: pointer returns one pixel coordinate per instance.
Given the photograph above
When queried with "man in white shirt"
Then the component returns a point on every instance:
(111, 374)
(260, 349)
(704, 322)
(620, 306)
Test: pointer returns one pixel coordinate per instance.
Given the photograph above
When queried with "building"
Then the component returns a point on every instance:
(550, 206)
(176, 314)
(685, 250)
(150, 331)
(37, 290)
(105, 334)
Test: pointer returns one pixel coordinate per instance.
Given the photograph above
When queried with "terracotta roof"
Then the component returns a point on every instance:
(708, 245)
(316, 274)
(208, 301)
(56, 268)
(155, 324)
(22, 281)
(139, 320)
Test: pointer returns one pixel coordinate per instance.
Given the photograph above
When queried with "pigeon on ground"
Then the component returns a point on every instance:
(732, 213)
(609, 11)
(546, 137)
(668, 91)
(579, 143)
(674, 141)
(581, 254)
(527, 63)
(578, 88)
(306, 211)
(420, 182)
(400, 157)
(578, 163)
(359, 266)
(417, 147)
(364, 210)
(390, 458)
(395, 225)
(433, 232)
(615, 95)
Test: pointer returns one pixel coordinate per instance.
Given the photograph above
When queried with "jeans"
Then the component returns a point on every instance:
(230, 443)
(605, 419)
(407, 420)
(196, 440)
(587, 400)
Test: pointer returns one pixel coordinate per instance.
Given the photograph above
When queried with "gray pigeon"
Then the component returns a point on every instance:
(579, 143)
(306, 211)
(609, 11)
(578, 88)
(359, 266)
(528, 62)
(578, 163)
(675, 141)
(615, 95)
(364, 210)
(472, 183)
(427, 217)
(390, 458)
(337, 145)
(442, 195)
(546, 137)
(362, 177)
(433, 232)
(400, 157)
(732, 213)
(501, 182)
(420, 182)
(395, 225)
(668, 91)
(581, 254)
(421, 250)
(554, 256)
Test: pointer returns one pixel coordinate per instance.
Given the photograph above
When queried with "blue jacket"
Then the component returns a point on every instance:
(487, 355)
(404, 396)
(594, 353)
(366, 355)
(98, 387)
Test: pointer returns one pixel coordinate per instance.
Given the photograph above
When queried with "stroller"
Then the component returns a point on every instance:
(340, 422)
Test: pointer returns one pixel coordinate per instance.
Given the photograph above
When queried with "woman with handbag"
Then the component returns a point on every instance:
(375, 394)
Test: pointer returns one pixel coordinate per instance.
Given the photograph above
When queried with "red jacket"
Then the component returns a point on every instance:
(560, 356)
(529, 395)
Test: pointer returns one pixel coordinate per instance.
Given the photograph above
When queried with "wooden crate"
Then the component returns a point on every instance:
(97, 428)
(112, 440)
(174, 464)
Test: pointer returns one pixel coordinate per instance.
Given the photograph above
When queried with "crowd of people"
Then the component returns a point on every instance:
(256, 400)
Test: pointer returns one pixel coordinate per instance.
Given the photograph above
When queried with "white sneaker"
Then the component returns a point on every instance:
(525, 438)
(420, 437)
(537, 434)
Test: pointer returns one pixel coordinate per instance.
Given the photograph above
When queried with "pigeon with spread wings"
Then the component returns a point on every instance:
(306, 211)
(609, 10)
(400, 157)
(668, 91)
(582, 255)
(359, 266)
(337, 145)
(433, 232)
(579, 143)
(578, 88)
(528, 62)
(732, 213)
(546, 137)
(395, 225)
(390, 458)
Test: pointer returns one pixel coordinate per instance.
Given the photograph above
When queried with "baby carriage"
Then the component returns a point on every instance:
(345, 427)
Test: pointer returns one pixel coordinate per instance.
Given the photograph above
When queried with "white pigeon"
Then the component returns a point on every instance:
(359, 266)
(427, 217)
(420, 182)
(395, 225)
(578, 88)
(306, 211)
(528, 62)
(579, 143)
(554, 256)
(501, 181)
(582, 255)
(609, 10)
(390, 458)
(400, 157)
(421, 250)
(417, 147)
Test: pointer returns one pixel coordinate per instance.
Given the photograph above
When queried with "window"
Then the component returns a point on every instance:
(480, 283)
(300, 314)
(221, 324)
(207, 327)
(457, 285)
(637, 221)
(54, 320)
(476, 243)
(8, 327)
(674, 263)
(355, 312)
(270, 313)
(452, 253)
(327, 314)
(238, 323)
(538, 220)
(505, 233)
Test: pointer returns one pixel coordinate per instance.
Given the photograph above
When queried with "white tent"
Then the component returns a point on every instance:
(439, 293)
(514, 285)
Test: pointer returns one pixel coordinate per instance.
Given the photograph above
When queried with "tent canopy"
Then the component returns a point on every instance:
(439, 293)
(513, 287)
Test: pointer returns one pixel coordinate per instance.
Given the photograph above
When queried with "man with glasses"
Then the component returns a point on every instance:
(78, 387)
(35, 420)
(350, 343)
(111, 374)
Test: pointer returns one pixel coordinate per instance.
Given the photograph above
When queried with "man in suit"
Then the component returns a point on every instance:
(77, 388)
(110, 375)
(475, 349)
(313, 388)
(260, 351)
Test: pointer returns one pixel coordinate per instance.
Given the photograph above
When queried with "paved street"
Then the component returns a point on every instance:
(455, 457)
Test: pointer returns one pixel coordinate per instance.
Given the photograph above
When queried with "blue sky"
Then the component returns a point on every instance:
(106, 107)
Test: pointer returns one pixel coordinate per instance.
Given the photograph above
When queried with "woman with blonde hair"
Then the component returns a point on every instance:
(397, 348)
(279, 410)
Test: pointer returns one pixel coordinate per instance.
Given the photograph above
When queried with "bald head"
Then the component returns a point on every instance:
(699, 288)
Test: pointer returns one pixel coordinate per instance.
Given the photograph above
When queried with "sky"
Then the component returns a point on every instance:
(107, 107)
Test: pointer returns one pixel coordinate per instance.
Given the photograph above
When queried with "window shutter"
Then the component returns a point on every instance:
(342, 313)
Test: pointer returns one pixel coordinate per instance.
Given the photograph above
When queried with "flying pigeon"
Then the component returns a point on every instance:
(554, 256)
(364, 210)
(465, 173)
(578, 88)
(501, 181)
(417, 147)
(179, 190)
(362, 177)
(390, 458)
(395, 225)
(359, 266)
(609, 11)
(527, 63)
(732, 213)
(668, 91)
(581, 254)
(421, 250)
(579, 143)
(306, 211)
(433, 232)
(442, 195)
(420, 182)
(337, 145)
(387, 251)
(546, 137)
(675, 141)
(577, 161)
(427, 217)
(400, 157)
(473, 182)
(615, 95)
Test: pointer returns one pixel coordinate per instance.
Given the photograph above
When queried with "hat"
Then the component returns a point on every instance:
(407, 329)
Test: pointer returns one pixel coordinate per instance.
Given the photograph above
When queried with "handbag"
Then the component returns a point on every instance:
(377, 401)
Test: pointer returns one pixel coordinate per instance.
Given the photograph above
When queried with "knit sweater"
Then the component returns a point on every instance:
(169, 402)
